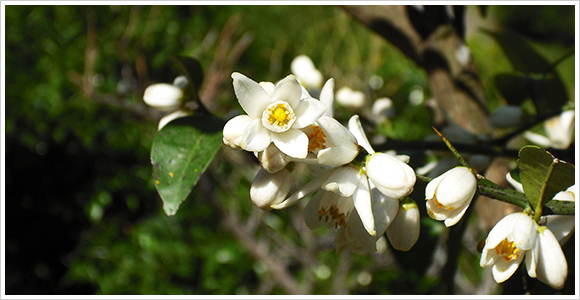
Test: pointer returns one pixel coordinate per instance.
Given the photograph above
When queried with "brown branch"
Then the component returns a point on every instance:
(435, 46)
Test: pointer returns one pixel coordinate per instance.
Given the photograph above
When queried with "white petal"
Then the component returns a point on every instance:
(234, 131)
(456, 215)
(163, 97)
(384, 210)
(393, 178)
(289, 90)
(307, 112)
(501, 230)
(532, 259)
(256, 137)
(184, 112)
(327, 97)
(457, 187)
(552, 268)
(360, 233)
(311, 216)
(337, 156)
(343, 181)
(537, 139)
(293, 143)
(561, 226)
(268, 87)
(502, 270)
(251, 96)
(404, 231)
(435, 212)
(362, 202)
(488, 257)
(307, 189)
(525, 232)
(357, 131)
(336, 132)
(517, 186)
(431, 187)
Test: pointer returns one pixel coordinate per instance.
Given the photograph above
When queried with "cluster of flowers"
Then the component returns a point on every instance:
(363, 194)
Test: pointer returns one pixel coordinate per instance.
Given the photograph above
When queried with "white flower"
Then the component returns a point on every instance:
(272, 159)
(350, 98)
(163, 97)
(552, 268)
(405, 228)
(184, 112)
(449, 195)
(559, 130)
(507, 116)
(512, 239)
(278, 113)
(355, 183)
(305, 71)
(383, 109)
(271, 188)
(328, 140)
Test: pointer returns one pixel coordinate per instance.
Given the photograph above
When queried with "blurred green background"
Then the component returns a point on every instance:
(82, 213)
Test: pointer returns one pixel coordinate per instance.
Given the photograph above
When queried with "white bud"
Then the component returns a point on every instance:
(350, 98)
(172, 116)
(272, 159)
(163, 97)
(392, 177)
(449, 195)
(234, 131)
(305, 71)
(383, 109)
(270, 188)
(404, 231)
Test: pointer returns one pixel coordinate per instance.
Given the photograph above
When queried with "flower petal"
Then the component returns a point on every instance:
(234, 130)
(525, 232)
(404, 231)
(327, 97)
(307, 189)
(357, 131)
(393, 178)
(561, 226)
(552, 268)
(532, 259)
(251, 96)
(343, 181)
(501, 230)
(360, 233)
(456, 215)
(502, 270)
(307, 112)
(289, 90)
(256, 137)
(311, 216)
(384, 210)
(270, 188)
(293, 143)
(362, 202)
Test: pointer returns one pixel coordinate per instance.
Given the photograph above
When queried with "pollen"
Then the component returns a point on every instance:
(278, 116)
(507, 250)
(336, 217)
(316, 139)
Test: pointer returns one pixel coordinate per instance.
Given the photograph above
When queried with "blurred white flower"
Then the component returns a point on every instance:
(305, 71)
(278, 112)
(184, 112)
(163, 97)
(449, 195)
(559, 130)
(350, 98)
(507, 116)
(416, 96)
(512, 239)
(383, 109)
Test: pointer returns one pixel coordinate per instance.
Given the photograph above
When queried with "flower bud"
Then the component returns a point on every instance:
(163, 97)
(234, 131)
(449, 195)
(404, 231)
(392, 177)
(383, 109)
(304, 69)
(270, 188)
(272, 159)
(350, 98)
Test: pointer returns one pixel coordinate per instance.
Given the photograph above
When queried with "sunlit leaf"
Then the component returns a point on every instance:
(181, 151)
(543, 175)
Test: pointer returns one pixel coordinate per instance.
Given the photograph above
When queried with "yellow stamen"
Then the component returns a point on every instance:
(507, 250)
(316, 139)
(279, 115)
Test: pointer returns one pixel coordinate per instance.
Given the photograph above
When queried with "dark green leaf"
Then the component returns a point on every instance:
(543, 175)
(193, 71)
(522, 55)
(181, 151)
(512, 87)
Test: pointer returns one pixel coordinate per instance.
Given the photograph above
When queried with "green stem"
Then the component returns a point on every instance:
(498, 192)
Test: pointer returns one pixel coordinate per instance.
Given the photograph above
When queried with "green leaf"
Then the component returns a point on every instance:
(540, 81)
(543, 175)
(193, 71)
(181, 151)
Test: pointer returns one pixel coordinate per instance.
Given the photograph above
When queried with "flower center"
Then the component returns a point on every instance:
(316, 139)
(335, 210)
(278, 116)
(507, 250)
